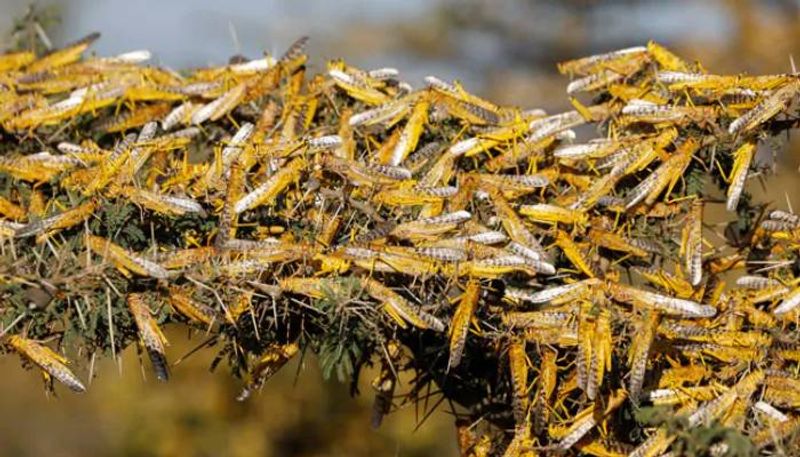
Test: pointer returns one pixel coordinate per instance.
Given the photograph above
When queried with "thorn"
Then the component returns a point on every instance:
(237, 47)
(91, 367)
(12, 324)
(43, 36)
(111, 331)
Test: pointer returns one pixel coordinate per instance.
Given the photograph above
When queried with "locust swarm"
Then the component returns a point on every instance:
(552, 276)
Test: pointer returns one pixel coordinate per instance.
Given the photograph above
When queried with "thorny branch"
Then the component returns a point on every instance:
(562, 295)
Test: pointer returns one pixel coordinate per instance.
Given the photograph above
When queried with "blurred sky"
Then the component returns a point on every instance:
(470, 39)
(504, 50)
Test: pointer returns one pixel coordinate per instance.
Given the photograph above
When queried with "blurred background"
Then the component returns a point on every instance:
(502, 50)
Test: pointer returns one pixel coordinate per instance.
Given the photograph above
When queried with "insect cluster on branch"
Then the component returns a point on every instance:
(552, 276)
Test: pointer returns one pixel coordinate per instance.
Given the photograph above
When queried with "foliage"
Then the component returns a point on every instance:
(561, 296)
